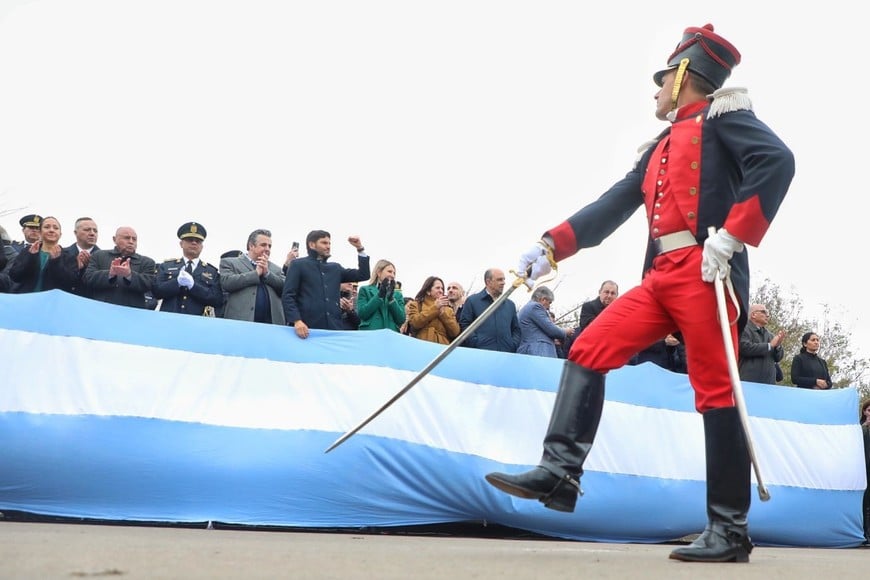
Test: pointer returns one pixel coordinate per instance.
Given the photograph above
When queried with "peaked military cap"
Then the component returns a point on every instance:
(30, 221)
(191, 230)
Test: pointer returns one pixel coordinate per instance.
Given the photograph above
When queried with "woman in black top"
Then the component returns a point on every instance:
(808, 369)
(43, 265)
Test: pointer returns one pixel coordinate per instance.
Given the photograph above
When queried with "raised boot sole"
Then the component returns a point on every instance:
(559, 496)
(497, 480)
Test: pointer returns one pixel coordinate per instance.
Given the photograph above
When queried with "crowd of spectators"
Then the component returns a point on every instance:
(308, 290)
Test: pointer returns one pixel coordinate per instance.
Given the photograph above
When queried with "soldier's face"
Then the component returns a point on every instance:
(31, 234)
(191, 247)
(663, 96)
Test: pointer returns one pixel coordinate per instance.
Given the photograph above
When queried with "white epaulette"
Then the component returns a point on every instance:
(729, 99)
(642, 149)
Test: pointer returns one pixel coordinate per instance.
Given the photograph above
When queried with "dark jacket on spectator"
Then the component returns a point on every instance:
(117, 290)
(59, 273)
(806, 367)
(79, 287)
(588, 311)
(313, 288)
(501, 331)
(756, 360)
(672, 358)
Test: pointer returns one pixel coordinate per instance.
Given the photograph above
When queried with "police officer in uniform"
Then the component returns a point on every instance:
(30, 229)
(188, 285)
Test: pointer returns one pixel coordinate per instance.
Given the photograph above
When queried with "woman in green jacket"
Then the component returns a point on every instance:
(380, 304)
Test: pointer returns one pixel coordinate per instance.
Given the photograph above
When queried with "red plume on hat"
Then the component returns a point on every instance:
(710, 55)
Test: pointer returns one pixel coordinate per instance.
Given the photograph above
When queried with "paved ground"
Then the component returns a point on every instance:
(65, 550)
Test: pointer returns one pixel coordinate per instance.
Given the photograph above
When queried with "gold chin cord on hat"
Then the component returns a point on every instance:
(678, 82)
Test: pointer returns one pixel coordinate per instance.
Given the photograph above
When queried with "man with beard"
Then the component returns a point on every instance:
(312, 291)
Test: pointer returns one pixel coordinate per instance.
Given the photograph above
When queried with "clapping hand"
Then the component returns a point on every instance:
(777, 339)
(262, 266)
(386, 288)
(83, 259)
(185, 279)
(120, 267)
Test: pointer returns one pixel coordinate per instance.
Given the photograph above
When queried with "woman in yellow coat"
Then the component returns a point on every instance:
(430, 315)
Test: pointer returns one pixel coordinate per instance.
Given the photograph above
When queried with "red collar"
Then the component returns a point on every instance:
(690, 110)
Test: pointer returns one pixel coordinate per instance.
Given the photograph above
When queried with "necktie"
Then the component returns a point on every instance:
(189, 267)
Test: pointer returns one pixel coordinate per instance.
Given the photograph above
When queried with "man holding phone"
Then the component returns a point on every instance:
(291, 255)
(312, 291)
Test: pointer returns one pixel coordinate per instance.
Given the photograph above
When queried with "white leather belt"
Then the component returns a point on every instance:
(674, 241)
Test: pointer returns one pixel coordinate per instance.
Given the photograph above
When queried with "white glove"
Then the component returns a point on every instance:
(534, 263)
(185, 279)
(718, 250)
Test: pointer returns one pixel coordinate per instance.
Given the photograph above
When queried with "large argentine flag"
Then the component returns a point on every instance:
(122, 414)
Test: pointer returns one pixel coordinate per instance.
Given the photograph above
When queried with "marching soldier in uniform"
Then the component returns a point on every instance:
(188, 285)
(715, 165)
(30, 230)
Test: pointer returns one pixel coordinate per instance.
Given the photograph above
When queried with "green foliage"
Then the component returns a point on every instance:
(787, 313)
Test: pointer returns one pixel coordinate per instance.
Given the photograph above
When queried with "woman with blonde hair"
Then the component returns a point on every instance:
(379, 304)
(430, 315)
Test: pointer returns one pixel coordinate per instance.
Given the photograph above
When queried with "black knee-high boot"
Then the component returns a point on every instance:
(726, 537)
(573, 424)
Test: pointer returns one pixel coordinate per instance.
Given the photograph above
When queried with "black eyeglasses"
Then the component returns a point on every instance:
(761, 312)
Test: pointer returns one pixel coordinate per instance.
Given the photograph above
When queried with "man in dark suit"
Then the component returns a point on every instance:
(607, 293)
(120, 275)
(311, 296)
(759, 350)
(86, 243)
(589, 310)
(188, 285)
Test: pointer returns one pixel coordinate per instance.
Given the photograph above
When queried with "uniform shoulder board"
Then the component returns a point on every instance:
(729, 99)
(643, 149)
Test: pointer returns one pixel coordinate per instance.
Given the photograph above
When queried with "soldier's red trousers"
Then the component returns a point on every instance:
(672, 297)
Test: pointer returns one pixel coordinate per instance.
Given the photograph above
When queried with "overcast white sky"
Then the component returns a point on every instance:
(449, 135)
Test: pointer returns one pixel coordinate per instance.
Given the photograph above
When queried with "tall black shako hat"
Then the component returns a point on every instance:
(191, 230)
(709, 55)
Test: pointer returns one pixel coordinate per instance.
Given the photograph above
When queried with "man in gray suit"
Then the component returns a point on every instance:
(760, 351)
(252, 283)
